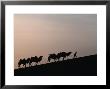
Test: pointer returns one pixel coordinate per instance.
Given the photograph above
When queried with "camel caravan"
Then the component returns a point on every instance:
(58, 56)
(29, 61)
(55, 57)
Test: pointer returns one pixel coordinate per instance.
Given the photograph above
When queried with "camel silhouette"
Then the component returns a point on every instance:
(68, 54)
(36, 59)
(39, 59)
(28, 61)
(58, 56)
(22, 61)
(63, 55)
(52, 56)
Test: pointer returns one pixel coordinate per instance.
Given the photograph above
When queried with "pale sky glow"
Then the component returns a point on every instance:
(42, 34)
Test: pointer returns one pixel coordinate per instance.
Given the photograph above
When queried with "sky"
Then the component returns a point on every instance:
(43, 34)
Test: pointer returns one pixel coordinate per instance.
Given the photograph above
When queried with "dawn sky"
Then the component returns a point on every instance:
(43, 34)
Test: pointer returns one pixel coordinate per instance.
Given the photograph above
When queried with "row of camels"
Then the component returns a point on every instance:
(55, 57)
(29, 61)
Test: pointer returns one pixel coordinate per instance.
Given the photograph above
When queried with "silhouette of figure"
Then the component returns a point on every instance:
(28, 61)
(36, 59)
(63, 55)
(19, 63)
(75, 54)
(39, 59)
(52, 56)
(68, 54)
(32, 59)
(22, 61)
(59, 56)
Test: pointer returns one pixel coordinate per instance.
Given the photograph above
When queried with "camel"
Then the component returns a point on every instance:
(59, 56)
(28, 61)
(68, 54)
(22, 61)
(52, 56)
(40, 58)
(36, 59)
(63, 55)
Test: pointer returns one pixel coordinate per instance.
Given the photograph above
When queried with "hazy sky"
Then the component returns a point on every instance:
(42, 34)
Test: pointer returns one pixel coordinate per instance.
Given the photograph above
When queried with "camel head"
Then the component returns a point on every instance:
(41, 57)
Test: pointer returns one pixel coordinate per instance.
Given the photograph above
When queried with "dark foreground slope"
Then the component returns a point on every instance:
(83, 66)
